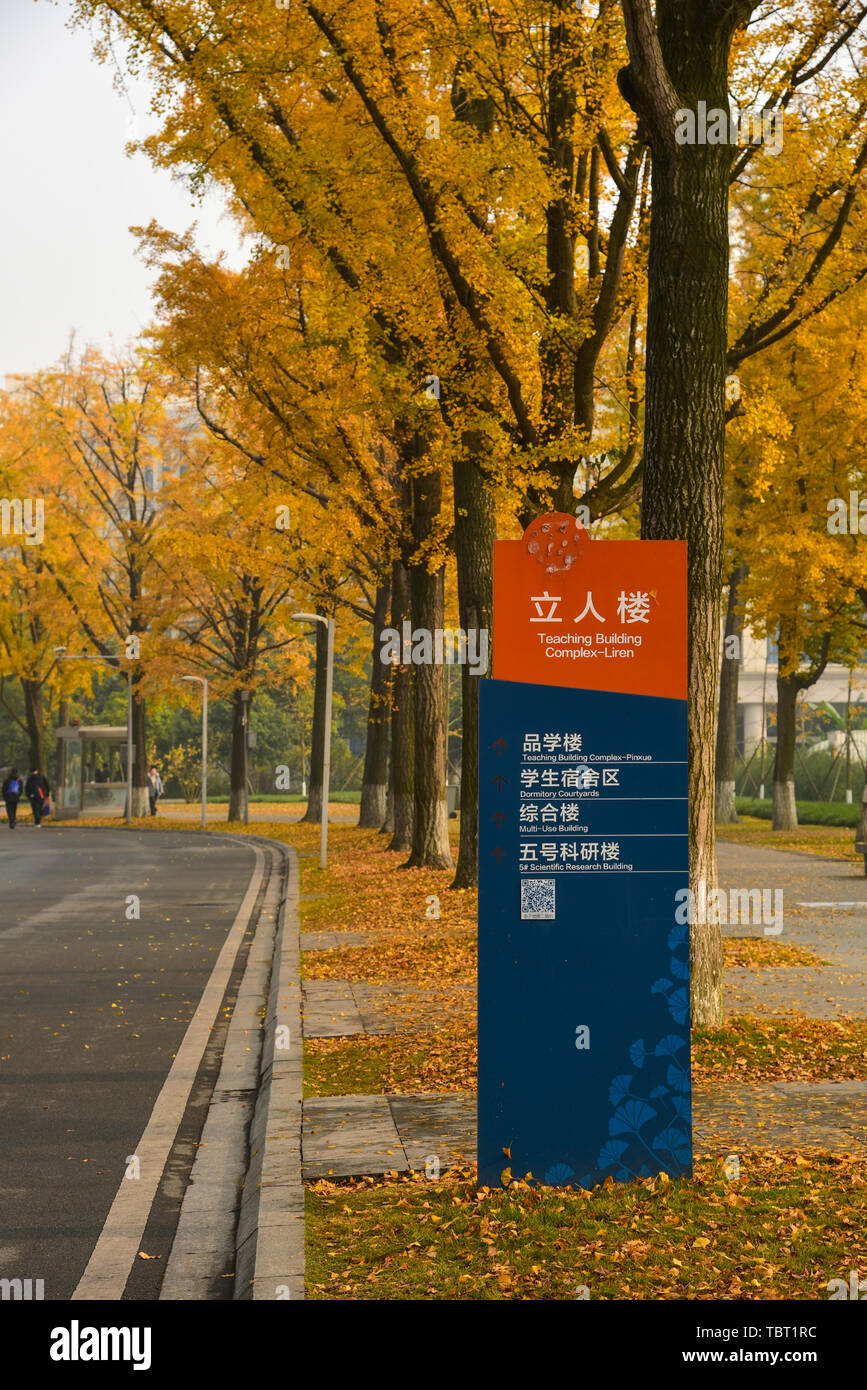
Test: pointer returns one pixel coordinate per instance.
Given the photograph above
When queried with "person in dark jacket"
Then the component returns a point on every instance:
(12, 795)
(37, 790)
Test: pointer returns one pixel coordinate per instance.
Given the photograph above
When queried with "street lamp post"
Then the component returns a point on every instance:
(245, 724)
(112, 661)
(326, 758)
(204, 684)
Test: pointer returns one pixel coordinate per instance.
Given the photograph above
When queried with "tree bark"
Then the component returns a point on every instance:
(475, 529)
(727, 721)
(313, 814)
(788, 687)
(374, 783)
(402, 771)
(34, 716)
(430, 839)
(676, 61)
(556, 354)
(785, 807)
(140, 798)
(387, 827)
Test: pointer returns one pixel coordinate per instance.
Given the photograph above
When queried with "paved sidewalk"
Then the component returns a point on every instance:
(340, 1008)
(356, 1136)
(824, 910)
(348, 1136)
(782, 1115)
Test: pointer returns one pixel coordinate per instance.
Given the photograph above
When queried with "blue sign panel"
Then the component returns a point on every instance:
(583, 964)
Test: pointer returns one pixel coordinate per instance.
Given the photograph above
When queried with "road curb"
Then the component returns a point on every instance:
(203, 1249)
(269, 1243)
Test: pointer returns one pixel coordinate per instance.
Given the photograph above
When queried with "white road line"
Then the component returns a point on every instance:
(861, 903)
(120, 1240)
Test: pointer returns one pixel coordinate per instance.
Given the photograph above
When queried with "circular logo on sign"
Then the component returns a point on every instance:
(555, 541)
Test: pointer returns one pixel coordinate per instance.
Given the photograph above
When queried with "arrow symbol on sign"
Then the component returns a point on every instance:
(500, 781)
(499, 744)
(498, 854)
(499, 818)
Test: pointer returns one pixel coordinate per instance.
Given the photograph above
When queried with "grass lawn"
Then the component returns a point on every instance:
(397, 1064)
(781, 1231)
(832, 841)
(793, 1048)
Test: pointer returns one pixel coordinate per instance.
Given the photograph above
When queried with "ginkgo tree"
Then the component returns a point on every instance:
(116, 438)
(233, 578)
(280, 387)
(34, 618)
(796, 461)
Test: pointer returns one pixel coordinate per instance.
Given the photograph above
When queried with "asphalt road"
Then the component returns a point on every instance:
(93, 1007)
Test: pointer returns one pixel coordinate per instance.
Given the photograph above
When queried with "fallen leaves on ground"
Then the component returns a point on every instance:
(789, 1048)
(757, 952)
(783, 1230)
(423, 957)
(396, 1064)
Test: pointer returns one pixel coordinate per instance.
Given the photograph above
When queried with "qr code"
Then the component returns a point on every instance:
(537, 899)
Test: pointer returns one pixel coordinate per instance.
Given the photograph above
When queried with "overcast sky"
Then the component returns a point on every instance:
(70, 194)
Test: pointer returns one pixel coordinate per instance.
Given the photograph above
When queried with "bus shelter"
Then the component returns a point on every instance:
(92, 773)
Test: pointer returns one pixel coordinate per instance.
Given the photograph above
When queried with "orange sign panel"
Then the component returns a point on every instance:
(593, 615)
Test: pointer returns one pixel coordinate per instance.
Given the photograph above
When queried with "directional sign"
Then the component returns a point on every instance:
(614, 619)
(583, 961)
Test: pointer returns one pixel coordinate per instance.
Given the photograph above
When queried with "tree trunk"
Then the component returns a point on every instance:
(387, 827)
(788, 687)
(374, 784)
(33, 713)
(727, 721)
(785, 808)
(430, 840)
(236, 776)
(685, 402)
(313, 814)
(140, 798)
(475, 529)
(402, 771)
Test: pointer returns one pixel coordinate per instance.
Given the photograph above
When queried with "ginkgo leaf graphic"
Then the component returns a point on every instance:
(630, 1117)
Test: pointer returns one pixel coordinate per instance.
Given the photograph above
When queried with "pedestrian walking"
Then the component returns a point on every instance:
(12, 795)
(155, 789)
(37, 791)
